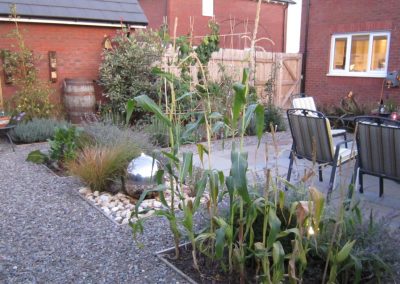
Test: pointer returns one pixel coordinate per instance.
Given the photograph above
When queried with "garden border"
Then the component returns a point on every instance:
(97, 208)
(160, 255)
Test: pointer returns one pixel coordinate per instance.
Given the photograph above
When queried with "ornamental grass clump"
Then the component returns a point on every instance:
(99, 165)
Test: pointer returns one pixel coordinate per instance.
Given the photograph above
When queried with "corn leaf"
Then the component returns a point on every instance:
(148, 104)
(249, 115)
(275, 227)
(191, 127)
(344, 253)
(129, 107)
(239, 101)
(200, 188)
(219, 242)
(238, 172)
(186, 166)
(201, 149)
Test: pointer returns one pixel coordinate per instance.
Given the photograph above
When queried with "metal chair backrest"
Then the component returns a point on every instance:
(378, 144)
(311, 133)
(304, 103)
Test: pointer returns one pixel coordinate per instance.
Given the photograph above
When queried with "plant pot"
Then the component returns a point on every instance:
(4, 121)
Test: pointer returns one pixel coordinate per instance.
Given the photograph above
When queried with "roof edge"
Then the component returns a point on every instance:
(38, 20)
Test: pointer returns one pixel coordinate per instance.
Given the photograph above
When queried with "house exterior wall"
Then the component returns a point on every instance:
(78, 51)
(272, 21)
(341, 16)
(155, 11)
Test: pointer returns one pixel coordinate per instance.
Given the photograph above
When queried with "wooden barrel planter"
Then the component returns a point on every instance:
(79, 98)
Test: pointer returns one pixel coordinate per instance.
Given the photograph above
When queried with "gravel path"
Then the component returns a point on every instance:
(49, 234)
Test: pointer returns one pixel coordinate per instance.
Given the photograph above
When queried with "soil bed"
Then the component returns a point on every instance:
(212, 272)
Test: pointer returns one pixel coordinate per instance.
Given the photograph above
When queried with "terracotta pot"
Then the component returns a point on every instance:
(4, 121)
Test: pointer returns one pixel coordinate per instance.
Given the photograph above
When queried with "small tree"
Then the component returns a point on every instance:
(32, 95)
(126, 68)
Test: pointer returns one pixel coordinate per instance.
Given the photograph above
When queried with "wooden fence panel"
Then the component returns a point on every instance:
(284, 68)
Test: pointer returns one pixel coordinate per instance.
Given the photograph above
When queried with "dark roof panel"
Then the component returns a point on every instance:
(110, 11)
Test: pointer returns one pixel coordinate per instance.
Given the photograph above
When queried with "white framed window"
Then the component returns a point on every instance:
(208, 8)
(360, 54)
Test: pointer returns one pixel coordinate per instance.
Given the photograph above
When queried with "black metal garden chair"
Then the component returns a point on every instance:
(313, 140)
(308, 103)
(378, 145)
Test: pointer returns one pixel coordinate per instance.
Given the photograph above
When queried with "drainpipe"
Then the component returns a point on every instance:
(284, 27)
(166, 4)
(303, 67)
(168, 16)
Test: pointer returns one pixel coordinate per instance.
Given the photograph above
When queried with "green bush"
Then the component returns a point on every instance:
(273, 115)
(64, 145)
(36, 130)
(126, 68)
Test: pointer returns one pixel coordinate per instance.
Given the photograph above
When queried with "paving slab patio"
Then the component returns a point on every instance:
(275, 156)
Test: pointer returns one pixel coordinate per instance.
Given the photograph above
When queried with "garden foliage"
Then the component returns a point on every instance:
(277, 239)
(33, 95)
(63, 146)
(36, 130)
(100, 165)
(126, 68)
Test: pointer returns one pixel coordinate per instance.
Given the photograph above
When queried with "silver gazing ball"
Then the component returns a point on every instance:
(142, 170)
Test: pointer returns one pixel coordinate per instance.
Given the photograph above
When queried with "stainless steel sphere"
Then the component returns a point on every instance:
(142, 170)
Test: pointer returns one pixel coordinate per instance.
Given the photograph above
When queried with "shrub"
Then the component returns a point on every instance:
(107, 134)
(126, 69)
(273, 115)
(64, 145)
(36, 130)
(98, 166)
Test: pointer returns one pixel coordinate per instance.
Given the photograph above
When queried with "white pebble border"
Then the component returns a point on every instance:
(119, 207)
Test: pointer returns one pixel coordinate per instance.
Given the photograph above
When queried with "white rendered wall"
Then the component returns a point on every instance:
(293, 27)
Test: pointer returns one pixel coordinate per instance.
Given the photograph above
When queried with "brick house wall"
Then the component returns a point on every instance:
(272, 21)
(155, 11)
(341, 16)
(78, 51)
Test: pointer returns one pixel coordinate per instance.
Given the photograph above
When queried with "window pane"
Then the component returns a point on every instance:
(339, 60)
(379, 46)
(359, 53)
(208, 8)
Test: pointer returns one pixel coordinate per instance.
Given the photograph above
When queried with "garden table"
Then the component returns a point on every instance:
(4, 132)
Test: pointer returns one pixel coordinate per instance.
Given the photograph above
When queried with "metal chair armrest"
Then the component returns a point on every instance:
(338, 145)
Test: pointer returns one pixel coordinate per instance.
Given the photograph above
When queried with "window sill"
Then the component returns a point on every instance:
(363, 75)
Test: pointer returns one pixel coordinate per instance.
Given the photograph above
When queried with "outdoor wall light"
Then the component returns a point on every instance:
(392, 79)
(53, 66)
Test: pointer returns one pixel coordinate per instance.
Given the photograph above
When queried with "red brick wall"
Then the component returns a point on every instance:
(154, 10)
(271, 22)
(342, 16)
(78, 51)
